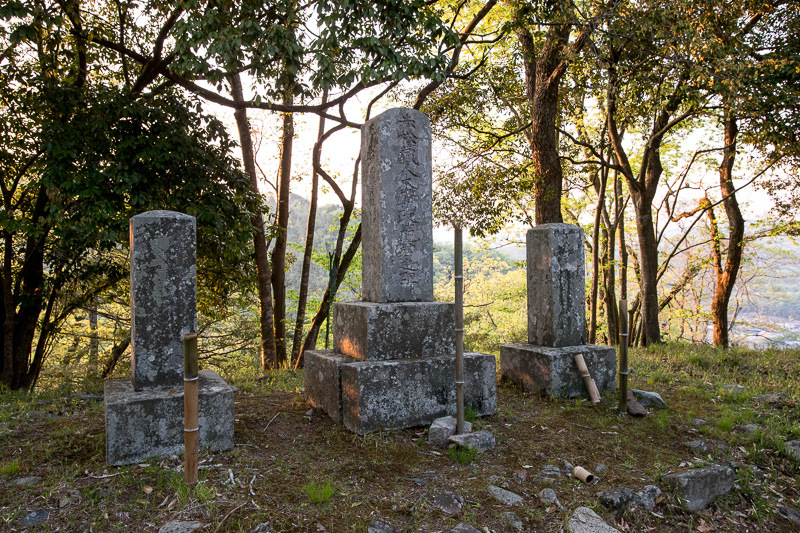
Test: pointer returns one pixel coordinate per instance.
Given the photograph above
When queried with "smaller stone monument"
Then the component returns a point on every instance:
(144, 415)
(557, 320)
(393, 363)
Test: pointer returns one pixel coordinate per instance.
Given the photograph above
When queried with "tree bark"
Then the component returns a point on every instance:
(263, 273)
(542, 80)
(726, 278)
(282, 223)
(601, 196)
(309, 248)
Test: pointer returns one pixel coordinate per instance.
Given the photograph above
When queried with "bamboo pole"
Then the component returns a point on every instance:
(459, 288)
(591, 386)
(623, 356)
(191, 437)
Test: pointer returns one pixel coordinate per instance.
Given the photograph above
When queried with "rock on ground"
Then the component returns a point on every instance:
(698, 488)
(463, 527)
(635, 408)
(180, 526)
(263, 527)
(646, 497)
(790, 514)
(551, 471)
(793, 449)
(442, 429)
(548, 497)
(776, 397)
(35, 517)
(483, 441)
(505, 496)
(584, 520)
(697, 445)
(649, 400)
(513, 521)
(26, 481)
(615, 498)
(376, 526)
(749, 430)
(447, 502)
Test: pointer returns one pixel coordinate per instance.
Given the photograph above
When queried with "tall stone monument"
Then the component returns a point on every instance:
(393, 363)
(144, 415)
(556, 320)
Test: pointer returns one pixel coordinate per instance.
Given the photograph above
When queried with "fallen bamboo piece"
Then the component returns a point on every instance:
(582, 474)
(191, 437)
(591, 386)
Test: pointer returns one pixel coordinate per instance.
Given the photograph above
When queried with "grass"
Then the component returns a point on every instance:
(461, 454)
(297, 474)
(318, 492)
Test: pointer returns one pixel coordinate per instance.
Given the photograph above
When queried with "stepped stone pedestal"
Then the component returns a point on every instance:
(144, 415)
(393, 363)
(556, 320)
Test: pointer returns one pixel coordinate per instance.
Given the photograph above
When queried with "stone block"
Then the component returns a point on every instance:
(442, 429)
(556, 285)
(413, 392)
(163, 296)
(322, 381)
(147, 423)
(384, 331)
(697, 488)
(397, 221)
(552, 371)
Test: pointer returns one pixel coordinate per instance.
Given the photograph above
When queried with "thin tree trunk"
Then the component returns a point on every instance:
(268, 352)
(94, 341)
(726, 278)
(609, 286)
(309, 248)
(311, 337)
(601, 196)
(279, 251)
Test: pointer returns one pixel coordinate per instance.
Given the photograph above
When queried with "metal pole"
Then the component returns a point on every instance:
(459, 286)
(191, 437)
(623, 355)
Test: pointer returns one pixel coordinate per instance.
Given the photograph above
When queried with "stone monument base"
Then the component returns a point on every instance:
(397, 330)
(552, 371)
(374, 395)
(147, 423)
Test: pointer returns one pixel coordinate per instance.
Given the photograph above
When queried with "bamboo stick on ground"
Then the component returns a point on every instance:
(591, 386)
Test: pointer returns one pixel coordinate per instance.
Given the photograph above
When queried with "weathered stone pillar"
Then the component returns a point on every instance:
(397, 216)
(393, 360)
(556, 289)
(163, 296)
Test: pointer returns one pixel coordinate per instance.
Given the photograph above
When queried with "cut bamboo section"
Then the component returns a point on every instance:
(591, 386)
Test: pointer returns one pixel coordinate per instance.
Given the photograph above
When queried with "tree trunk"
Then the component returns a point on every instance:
(543, 73)
(601, 196)
(311, 338)
(309, 248)
(279, 251)
(648, 264)
(268, 352)
(726, 278)
(609, 286)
